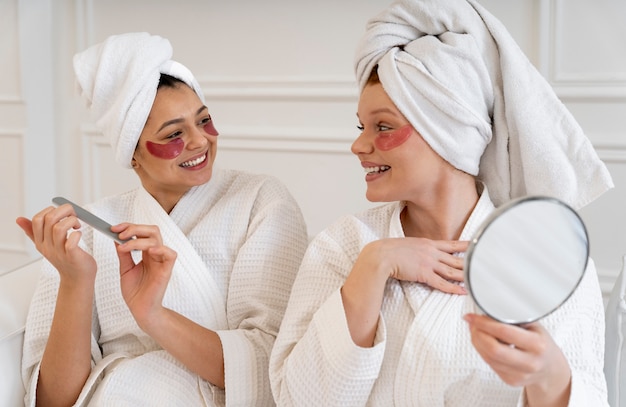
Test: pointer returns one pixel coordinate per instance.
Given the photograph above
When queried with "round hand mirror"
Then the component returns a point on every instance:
(526, 259)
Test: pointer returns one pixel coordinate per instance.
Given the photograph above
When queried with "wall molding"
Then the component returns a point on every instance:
(11, 134)
(15, 191)
(280, 139)
(591, 93)
(605, 85)
(283, 88)
(13, 249)
(606, 278)
(613, 155)
(84, 23)
(92, 141)
(8, 99)
(235, 138)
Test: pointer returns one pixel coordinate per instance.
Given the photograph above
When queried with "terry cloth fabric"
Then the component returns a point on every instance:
(461, 80)
(422, 353)
(118, 78)
(240, 238)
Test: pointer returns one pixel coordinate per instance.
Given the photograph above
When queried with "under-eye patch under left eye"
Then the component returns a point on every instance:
(210, 128)
(166, 151)
(393, 139)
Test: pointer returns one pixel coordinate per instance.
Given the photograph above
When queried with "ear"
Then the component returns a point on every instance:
(134, 163)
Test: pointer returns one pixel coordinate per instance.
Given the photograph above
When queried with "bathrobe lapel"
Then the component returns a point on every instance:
(190, 277)
(435, 314)
(192, 291)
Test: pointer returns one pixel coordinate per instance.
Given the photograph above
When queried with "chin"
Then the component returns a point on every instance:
(384, 195)
(202, 177)
(373, 197)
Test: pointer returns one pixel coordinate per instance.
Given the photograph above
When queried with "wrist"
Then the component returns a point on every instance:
(152, 321)
(376, 262)
(554, 391)
(79, 286)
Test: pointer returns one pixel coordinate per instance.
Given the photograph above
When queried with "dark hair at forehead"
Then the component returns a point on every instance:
(169, 81)
(373, 78)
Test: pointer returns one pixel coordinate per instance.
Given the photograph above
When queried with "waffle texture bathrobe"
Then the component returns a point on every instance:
(423, 355)
(239, 239)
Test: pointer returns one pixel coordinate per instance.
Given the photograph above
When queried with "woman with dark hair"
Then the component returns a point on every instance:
(186, 311)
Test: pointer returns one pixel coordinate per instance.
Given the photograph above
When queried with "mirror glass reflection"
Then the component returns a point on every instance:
(526, 259)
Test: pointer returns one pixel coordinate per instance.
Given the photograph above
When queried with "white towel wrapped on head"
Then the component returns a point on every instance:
(463, 83)
(119, 77)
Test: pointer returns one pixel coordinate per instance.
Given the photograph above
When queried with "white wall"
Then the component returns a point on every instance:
(279, 83)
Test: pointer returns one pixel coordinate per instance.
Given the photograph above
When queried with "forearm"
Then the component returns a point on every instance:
(362, 296)
(198, 348)
(546, 396)
(308, 369)
(66, 361)
(554, 390)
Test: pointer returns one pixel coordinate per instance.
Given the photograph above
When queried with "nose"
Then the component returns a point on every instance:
(197, 138)
(362, 145)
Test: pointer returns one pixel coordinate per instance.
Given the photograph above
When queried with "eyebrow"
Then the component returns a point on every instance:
(174, 121)
(381, 110)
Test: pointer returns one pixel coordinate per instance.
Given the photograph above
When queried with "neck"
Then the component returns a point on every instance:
(442, 214)
(166, 198)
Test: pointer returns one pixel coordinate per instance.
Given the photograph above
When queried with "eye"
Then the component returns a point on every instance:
(206, 119)
(174, 135)
(382, 127)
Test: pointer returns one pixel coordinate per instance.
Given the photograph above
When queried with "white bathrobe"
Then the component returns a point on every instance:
(422, 355)
(239, 239)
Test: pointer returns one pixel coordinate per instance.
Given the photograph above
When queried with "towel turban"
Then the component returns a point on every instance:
(457, 75)
(118, 78)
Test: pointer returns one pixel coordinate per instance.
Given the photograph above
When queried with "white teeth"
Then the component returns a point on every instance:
(372, 170)
(193, 163)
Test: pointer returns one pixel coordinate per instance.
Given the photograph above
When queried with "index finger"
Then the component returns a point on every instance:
(43, 222)
(519, 336)
(452, 246)
(26, 225)
(139, 237)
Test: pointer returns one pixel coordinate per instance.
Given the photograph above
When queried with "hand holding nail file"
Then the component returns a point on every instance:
(90, 219)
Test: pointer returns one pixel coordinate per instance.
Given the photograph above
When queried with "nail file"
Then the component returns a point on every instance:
(89, 218)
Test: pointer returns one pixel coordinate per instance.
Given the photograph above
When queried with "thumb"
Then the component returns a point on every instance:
(126, 259)
(162, 254)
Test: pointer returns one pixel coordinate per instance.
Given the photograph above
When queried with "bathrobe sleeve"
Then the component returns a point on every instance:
(314, 361)
(38, 323)
(261, 279)
(578, 328)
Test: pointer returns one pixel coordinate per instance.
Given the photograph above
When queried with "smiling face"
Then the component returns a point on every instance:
(177, 146)
(399, 164)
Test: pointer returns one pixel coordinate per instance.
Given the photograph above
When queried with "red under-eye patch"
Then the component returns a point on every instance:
(210, 128)
(392, 139)
(166, 151)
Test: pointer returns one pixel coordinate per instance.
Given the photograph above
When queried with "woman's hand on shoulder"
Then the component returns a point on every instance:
(523, 356)
(144, 284)
(426, 261)
(54, 231)
(408, 259)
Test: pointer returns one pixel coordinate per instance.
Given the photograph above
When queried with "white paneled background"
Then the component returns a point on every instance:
(279, 85)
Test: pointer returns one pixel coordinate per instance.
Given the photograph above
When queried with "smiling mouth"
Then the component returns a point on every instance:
(193, 163)
(376, 170)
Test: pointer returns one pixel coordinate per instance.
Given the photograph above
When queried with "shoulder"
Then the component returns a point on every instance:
(238, 176)
(376, 219)
(113, 208)
(248, 183)
(362, 227)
